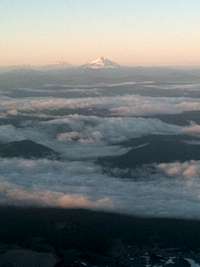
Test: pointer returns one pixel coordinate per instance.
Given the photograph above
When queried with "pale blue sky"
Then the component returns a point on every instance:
(149, 32)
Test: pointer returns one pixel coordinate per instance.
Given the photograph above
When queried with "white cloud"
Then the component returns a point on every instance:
(78, 136)
(110, 130)
(117, 105)
(9, 133)
(15, 195)
(81, 184)
(193, 129)
(182, 86)
(173, 190)
(188, 169)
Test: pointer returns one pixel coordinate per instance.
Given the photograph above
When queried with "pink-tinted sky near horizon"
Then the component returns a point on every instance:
(131, 32)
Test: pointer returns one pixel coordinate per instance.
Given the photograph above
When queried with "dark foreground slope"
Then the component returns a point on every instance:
(78, 237)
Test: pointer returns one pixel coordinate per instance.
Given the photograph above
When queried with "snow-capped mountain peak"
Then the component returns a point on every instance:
(101, 63)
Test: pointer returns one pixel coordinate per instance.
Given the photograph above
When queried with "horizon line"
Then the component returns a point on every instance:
(71, 65)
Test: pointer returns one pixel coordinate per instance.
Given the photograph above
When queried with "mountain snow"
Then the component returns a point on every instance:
(101, 63)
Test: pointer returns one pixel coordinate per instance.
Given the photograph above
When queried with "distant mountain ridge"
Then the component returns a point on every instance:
(99, 63)
(27, 149)
(29, 67)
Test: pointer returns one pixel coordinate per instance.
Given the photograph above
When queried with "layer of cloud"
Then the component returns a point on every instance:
(9, 133)
(193, 129)
(126, 105)
(11, 194)
(182, 86)
(190, 169)
(171, 190)
(81, 184)
(78, 136)
(91, 129)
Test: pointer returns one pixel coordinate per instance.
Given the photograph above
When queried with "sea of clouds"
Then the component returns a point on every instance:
(126, 105)
(77, 180)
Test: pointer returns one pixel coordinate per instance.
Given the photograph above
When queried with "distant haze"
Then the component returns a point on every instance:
(130, 32)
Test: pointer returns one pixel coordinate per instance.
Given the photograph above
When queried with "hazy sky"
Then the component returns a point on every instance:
(133, 32)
